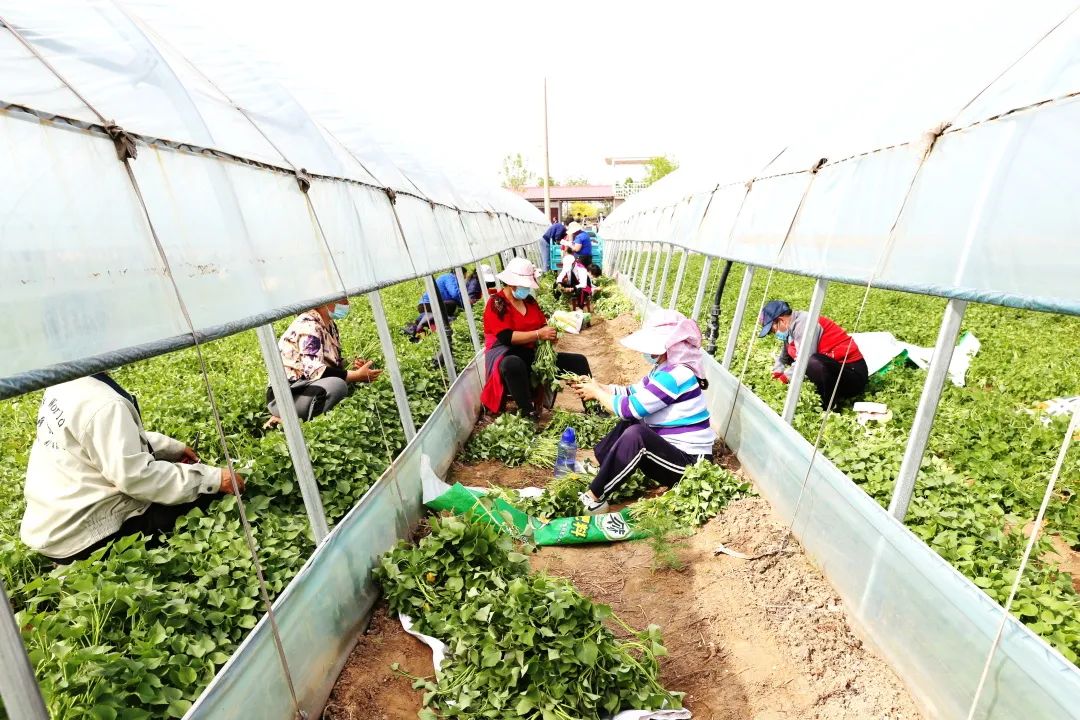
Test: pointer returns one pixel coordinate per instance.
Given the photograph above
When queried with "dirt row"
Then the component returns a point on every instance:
(762, 639)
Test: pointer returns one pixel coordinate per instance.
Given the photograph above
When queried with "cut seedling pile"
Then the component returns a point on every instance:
(519, 643)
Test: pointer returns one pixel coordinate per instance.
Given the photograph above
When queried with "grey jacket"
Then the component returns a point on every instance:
(796, 333)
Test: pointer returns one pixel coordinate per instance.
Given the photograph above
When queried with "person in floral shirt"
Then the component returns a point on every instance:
(311, 352)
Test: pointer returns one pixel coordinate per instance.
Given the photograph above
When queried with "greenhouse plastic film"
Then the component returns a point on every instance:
(715, 231)
(324, 607)
(86, 278)
(238, 239)
(764, 218)
(849, 213)
(930, 623)
(1007, 230)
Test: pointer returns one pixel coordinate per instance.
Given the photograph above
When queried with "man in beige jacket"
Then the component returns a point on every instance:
(95, 474)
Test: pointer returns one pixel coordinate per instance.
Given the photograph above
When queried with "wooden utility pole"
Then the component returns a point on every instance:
(547, 166)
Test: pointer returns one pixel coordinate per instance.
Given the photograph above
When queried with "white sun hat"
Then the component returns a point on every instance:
(486, 274)
(573, 228)
(519, 272)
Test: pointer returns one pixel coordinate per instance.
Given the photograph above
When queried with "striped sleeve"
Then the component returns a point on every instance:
(655, 392)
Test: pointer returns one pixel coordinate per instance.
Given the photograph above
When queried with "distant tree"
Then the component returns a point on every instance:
(576, 181)
(550, 181)
(659, 166)
(584, 209)
(515, 173)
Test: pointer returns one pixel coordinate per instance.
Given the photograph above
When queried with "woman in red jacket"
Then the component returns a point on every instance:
(513, 323)
(835, 354)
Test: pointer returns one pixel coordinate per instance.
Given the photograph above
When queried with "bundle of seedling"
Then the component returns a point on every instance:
(519, 644)
(612, 303)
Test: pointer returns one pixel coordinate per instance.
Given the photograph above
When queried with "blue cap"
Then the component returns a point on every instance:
(773, 309)
(568, 435)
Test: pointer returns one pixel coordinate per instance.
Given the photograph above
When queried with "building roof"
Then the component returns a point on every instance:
(560, 193)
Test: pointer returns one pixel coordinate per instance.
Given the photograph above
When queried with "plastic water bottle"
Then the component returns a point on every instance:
(567, 456)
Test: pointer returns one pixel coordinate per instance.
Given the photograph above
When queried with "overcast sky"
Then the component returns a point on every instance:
(462, 83)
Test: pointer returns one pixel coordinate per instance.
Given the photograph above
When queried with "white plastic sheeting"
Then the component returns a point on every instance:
(215, 181)
(969, 204)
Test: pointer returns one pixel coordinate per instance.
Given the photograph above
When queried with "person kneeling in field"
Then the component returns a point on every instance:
(311, 352)
(663, 419)
(95, 474)
(836, 361)
(449, 300)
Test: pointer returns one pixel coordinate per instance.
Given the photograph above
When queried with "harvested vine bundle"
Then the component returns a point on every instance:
(519, 644)
(544, 370)
(705, 490)
(508, 439)
(590, 428)
(544, 452)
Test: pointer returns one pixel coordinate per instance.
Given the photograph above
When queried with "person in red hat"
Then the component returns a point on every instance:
(835, 356)
(513, 324)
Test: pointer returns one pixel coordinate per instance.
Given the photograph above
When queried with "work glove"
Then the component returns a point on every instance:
(781, 377)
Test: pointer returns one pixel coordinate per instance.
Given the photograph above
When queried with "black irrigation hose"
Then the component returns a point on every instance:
(714, 317)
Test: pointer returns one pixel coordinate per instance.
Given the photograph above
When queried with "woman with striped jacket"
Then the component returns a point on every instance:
(663, 419)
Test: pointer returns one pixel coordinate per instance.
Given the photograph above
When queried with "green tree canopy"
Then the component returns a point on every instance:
(515, 173)
(659, 166)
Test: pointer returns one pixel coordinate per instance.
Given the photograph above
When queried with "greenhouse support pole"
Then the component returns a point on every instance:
(703, 282)
(635, 256)
(928, 402)
(646, 269)
(441, 326)
(495, 270)
(463, 289)
(392, 367)
(294, 435)
(655, 271)
(664, 275)
(737, 319)
(679, 279)
(817, 300)
(18, 686)
(642, 271)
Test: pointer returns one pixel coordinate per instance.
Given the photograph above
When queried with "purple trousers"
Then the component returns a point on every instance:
(632, 445)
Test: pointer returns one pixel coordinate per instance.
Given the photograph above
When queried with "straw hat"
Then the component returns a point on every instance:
(519, 272)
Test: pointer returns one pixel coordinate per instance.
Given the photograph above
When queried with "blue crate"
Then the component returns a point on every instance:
(555, 254)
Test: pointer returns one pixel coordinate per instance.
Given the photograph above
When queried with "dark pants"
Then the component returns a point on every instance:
(156, 520)
(312, 398)
(823, 371)
(632, 445)
(517, 376)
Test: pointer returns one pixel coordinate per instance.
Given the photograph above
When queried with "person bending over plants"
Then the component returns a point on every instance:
(835, 354)
(663, 420)
(311, 352)
(449, 301)
(95, 474)
(514, 324)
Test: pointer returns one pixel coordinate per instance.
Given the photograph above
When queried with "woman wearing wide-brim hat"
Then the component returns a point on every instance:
(513, 324)
(664, 425)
